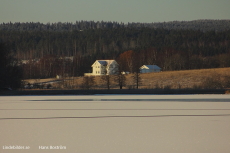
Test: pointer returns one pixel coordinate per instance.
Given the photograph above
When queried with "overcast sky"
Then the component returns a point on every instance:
(112, 10)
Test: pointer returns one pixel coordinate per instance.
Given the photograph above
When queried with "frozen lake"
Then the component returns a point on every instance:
(115, 124)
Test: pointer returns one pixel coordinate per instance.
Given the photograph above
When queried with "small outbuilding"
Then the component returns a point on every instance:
(149, 68)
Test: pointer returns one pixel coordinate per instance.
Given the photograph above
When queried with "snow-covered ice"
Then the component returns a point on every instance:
(116, 123)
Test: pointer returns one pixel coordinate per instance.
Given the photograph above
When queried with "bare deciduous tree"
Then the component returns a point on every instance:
(107, 80)
(88, 82)
(120, 80)
(137, 78)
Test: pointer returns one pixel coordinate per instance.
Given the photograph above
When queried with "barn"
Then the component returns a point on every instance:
(149, 68)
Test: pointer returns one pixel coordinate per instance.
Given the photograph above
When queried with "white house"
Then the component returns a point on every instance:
(104, 67)
(149, 68)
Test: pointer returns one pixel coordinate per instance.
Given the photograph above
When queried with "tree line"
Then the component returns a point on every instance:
(202, 25)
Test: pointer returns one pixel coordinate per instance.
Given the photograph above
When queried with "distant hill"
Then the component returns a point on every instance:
(202, 25)
(177, 45)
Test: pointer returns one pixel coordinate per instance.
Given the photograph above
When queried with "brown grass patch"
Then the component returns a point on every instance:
(186, 79)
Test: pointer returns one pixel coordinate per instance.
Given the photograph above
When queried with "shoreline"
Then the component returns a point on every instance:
(113, 91)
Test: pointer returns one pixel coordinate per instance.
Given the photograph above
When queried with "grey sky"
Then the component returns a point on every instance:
(112, 10)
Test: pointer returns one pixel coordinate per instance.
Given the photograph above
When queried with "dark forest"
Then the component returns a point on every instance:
(71, 48)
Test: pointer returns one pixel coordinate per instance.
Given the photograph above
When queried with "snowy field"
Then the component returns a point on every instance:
(115, 124)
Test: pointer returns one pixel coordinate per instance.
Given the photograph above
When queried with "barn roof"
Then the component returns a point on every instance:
(151, 67)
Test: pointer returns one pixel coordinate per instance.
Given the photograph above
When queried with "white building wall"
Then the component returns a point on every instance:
(99, 69)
